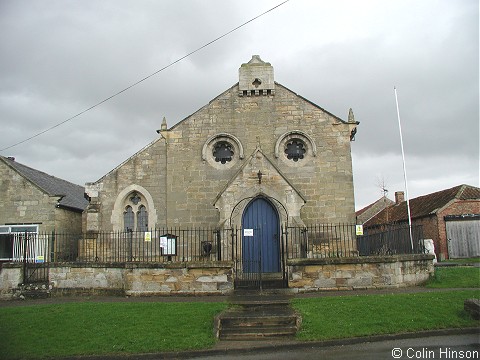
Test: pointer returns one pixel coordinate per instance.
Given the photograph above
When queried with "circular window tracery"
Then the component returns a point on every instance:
(223, 152)
(295, 149)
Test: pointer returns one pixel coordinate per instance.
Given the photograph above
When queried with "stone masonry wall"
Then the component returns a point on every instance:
(143, 279)
(11, 276)
(22, 202)
(147, 169)
(326, 180)
(184, 186)
(359, 273)
(68, 221)
(305, 275)
(191, 279)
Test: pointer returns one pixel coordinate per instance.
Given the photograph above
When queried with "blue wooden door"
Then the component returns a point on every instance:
(260, 252)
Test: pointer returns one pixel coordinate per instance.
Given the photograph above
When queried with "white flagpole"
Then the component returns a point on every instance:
(404, 171)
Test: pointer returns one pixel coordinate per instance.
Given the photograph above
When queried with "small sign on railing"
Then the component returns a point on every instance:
(148, 236)
(359, 230)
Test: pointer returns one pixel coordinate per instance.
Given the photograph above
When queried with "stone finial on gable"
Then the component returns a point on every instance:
(352, 123)
(351, 117)
(163, 127)
(256, 78)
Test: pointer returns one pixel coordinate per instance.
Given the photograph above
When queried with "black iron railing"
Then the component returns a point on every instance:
(159, 245)
(207, 245)
(321, 241)
(391, 240)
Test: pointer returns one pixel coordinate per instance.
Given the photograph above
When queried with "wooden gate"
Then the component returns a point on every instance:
(463, 236)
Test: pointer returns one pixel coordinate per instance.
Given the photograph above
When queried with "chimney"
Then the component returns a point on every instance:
(399, 197)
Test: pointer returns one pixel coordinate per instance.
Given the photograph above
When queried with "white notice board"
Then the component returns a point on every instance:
(247, 232)
(168, 245)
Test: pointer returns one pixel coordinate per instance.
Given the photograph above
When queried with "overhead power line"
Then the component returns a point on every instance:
(142, 80)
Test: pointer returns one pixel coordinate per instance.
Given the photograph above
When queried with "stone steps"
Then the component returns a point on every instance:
(265, 284)
(257, 317)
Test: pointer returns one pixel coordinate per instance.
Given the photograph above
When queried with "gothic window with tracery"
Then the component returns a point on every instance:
(135, 214)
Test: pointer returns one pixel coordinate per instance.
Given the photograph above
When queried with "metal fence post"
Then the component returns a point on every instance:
(25, 276)
(130, 231)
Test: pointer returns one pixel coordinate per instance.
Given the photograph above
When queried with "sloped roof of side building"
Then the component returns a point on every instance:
(72, 195)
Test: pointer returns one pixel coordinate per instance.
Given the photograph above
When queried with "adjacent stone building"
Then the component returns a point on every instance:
(35, 202)
(256, 150)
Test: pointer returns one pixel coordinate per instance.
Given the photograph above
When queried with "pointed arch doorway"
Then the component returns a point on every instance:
(261, 247)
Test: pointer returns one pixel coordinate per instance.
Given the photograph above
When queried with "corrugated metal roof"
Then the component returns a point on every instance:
(72, 194)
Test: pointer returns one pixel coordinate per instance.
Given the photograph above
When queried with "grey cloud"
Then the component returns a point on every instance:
(59, 58)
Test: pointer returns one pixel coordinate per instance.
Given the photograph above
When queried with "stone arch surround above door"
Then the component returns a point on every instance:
(247, 184)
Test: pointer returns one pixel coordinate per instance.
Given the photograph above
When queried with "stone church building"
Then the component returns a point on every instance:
(240, 194)
(257, 153)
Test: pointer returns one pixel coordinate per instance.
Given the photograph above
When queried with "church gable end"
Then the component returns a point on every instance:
(305, 150)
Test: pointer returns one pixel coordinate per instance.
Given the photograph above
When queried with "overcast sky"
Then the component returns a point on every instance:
(58, 58)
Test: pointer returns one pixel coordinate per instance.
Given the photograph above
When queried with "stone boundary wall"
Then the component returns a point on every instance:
(11, 275)
(130, 279)
(217, 278)
(369, 272)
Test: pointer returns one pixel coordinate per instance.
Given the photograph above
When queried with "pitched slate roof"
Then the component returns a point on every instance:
(72, 194)
(425, 205)
(369, 211)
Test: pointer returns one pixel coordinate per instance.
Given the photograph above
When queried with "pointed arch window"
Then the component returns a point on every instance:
(129, 218)
(142, 218)
(135, 214)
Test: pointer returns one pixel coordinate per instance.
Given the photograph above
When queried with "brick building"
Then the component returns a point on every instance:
(451, 218)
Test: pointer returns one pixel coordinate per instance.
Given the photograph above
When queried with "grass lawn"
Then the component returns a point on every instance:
(72, 329)
(463, 260)
(351, 316)
(56, 330)
(85, 328)
(455, 277)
